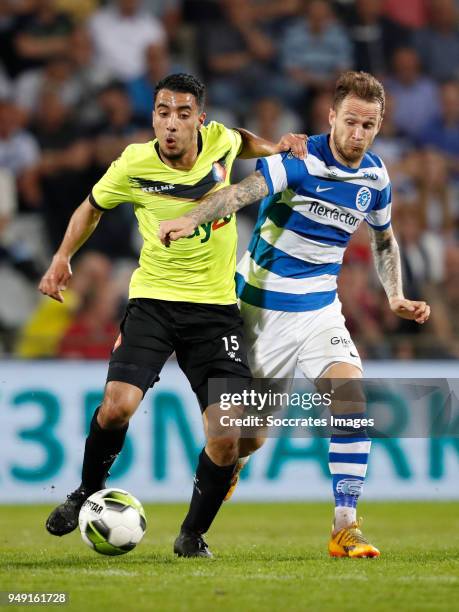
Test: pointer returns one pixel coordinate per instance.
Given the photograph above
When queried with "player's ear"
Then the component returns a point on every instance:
(331, 117)
(201, 119)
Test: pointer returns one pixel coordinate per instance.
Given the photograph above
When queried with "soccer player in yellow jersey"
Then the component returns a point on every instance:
(182, 298)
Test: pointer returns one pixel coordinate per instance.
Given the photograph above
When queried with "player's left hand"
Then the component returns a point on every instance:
(410, 309)
(175, 229)
(297, 143)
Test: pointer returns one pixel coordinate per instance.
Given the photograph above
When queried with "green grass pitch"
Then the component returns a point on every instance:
(267, 557)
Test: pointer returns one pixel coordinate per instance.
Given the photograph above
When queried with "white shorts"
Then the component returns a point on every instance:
(278, 341)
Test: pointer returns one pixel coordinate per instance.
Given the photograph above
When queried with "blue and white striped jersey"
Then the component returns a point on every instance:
(304, 225)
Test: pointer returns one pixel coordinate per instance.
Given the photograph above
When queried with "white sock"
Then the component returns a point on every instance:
(344, 516)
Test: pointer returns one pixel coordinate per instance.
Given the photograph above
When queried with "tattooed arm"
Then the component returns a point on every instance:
(386, 256)
(215, 206)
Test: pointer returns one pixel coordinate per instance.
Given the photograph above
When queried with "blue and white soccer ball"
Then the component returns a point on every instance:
(112, 522)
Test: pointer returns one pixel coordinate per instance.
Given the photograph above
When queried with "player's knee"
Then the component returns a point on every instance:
(114, 414)
(117, 408)
(348, 394)
(223, 451)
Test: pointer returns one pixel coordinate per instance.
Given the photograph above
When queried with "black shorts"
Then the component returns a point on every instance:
(208, 341)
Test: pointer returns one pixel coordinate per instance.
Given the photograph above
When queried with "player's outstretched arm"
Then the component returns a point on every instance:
(215, 206)
(386, 255)
(81, 225)
(255, 146)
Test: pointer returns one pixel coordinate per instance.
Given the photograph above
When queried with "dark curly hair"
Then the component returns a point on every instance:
(184, 83)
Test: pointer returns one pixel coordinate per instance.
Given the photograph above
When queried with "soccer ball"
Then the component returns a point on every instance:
(112, 521)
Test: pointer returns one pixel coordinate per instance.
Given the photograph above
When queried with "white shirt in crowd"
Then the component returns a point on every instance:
(120, 42)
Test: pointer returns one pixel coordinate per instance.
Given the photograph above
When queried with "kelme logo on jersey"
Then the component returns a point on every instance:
(363, 198)
(157, 188)
(217, 174)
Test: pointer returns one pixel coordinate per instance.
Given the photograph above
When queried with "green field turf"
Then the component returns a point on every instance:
(267, 557)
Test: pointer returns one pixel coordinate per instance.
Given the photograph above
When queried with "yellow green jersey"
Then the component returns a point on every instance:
(199, 268)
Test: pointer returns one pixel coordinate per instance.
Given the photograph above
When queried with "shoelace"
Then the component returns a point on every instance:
(352, 535)
(201, 543)
(76, 495)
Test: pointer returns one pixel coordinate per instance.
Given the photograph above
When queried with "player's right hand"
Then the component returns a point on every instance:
(56, 278)
(175, 229)
(410, 309)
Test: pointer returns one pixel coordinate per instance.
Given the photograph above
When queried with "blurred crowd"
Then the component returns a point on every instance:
(76, 86)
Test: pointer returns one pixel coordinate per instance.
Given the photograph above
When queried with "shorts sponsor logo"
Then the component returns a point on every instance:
(341, 340)
(349, 486)
(363, 198)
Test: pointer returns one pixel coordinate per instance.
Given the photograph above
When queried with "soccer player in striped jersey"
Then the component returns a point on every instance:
(180, 299)
(287, 279)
